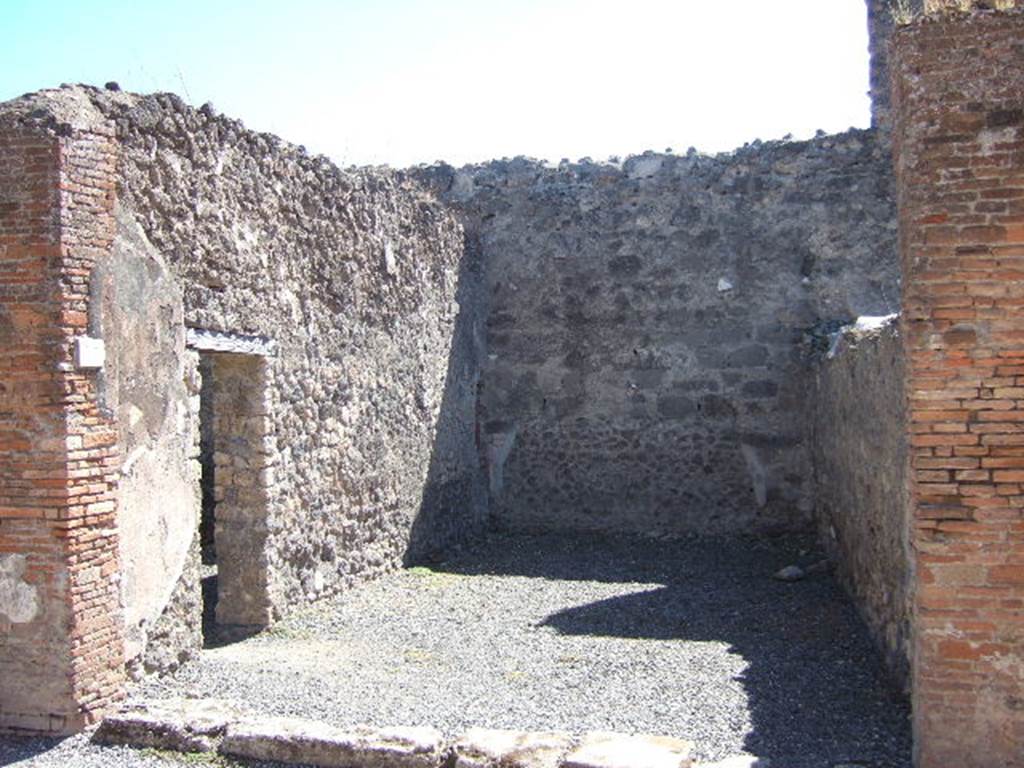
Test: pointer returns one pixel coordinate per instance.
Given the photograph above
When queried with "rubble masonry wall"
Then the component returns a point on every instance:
(645, 368)
(359, 280)
(858, 440)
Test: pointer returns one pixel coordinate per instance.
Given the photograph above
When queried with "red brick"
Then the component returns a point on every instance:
(1007, 574)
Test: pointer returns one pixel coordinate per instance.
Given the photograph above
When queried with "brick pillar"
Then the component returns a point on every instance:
(958, 116)
(61, 648)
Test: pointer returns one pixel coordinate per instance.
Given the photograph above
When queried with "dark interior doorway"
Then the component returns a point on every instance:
(234, 415)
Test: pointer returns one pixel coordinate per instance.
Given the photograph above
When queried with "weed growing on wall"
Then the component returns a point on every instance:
(902, 12)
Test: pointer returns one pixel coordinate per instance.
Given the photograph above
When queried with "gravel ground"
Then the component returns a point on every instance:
(688, 638)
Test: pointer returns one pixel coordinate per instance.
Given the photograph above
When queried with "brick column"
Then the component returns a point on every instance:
(958, 116)
(61, 648)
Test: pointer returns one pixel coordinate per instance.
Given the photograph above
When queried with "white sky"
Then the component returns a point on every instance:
(409, 81)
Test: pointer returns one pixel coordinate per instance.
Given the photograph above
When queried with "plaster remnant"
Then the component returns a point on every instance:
(498, 449)
(18, 599)
(390, 261)
(758, 474)
(870, 323)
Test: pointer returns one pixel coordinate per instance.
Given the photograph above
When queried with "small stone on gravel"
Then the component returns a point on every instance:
(790, 573)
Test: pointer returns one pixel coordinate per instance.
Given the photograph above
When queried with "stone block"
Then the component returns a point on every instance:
(289, 740)
(485, 748)
(617, 750)
(183, 725)
(740, 761)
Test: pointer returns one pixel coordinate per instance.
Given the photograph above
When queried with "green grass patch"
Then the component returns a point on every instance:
(432, 579)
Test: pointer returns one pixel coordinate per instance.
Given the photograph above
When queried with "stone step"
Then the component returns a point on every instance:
(289, 740)
(179, 725)
(203, 725)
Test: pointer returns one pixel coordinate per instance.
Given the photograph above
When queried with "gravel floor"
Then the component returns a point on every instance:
(688, 638)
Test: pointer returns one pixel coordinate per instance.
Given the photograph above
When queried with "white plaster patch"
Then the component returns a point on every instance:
(390, 260)
(868, 323)
(758, 473)
(18, 600)
(135, 415)
(499, 447)
(989, 137)
(1007, 664)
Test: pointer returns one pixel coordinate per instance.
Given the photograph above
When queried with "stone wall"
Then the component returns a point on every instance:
(859, 448)
(883, 17)
(358, 280)
(958, 139)
(880, 28)
(969, 6)
(366, 454)
(645, 323)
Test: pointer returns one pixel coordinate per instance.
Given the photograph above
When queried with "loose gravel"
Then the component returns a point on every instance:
(689, 638)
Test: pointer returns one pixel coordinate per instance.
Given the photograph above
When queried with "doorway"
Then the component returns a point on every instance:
(234, 418)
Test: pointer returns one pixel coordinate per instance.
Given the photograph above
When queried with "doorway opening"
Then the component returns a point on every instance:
(234, 482)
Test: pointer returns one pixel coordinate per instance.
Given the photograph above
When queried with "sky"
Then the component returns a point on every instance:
(402, 82)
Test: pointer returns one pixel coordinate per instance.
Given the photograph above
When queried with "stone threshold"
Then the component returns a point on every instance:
(207, 725)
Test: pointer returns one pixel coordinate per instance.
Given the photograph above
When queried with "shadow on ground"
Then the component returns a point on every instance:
(23, 749)
(816, 688)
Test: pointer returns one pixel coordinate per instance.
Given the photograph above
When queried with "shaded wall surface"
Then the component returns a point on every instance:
(644, 368)
(859, 445)
(958, 106)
